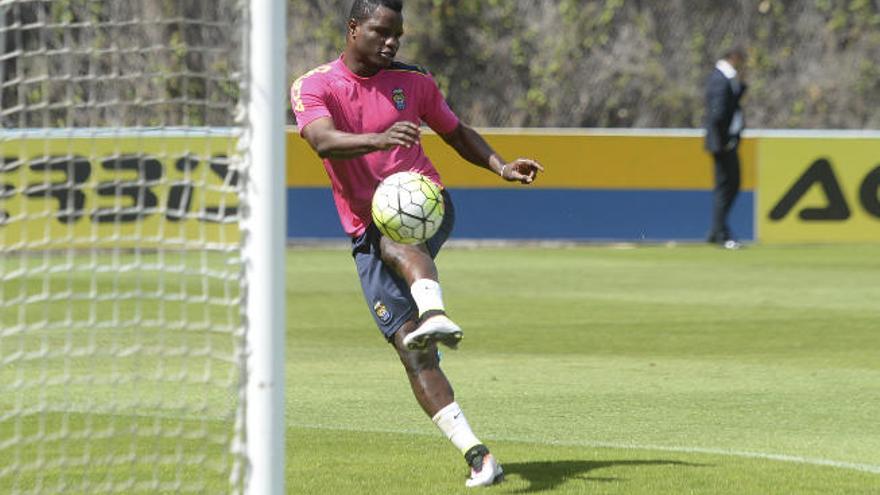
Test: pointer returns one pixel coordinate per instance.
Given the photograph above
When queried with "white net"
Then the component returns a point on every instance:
(120, 289)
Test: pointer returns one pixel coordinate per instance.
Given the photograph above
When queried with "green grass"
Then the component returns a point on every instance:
(686, 370)
(599, 370)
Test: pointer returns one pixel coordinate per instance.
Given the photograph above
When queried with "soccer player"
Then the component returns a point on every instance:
(361, 113)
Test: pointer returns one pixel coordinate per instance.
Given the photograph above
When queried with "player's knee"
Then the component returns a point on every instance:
(403, 257)
(414, 361)
(392, 256)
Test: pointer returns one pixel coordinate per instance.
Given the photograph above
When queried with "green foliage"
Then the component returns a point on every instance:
(593, 63)
(630, 63)
(85, 63)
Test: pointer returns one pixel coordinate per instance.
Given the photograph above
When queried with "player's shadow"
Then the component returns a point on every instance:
(547, 475)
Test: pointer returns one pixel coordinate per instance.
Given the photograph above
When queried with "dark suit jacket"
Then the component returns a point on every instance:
(722, 102)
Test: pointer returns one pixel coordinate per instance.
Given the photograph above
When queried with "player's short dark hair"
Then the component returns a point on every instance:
(363, 9)
(738, 50)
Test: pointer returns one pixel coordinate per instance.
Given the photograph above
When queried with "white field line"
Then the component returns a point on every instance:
(746, 454)
(795, 459)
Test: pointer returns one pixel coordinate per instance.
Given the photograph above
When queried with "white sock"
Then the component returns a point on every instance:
(453, 424)
(427, 294)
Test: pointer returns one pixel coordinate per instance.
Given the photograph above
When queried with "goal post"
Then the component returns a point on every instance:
(264, 243)
(142, 230)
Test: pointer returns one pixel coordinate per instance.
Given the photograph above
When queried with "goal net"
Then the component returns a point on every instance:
(121, 328)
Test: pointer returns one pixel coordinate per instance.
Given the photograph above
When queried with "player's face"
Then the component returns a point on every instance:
(375, 41)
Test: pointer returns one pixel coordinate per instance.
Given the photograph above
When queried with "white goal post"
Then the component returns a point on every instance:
(142, 233)
(264, 250)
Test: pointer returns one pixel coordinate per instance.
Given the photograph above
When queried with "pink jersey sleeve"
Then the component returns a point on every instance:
(436, 112)
(307, 97)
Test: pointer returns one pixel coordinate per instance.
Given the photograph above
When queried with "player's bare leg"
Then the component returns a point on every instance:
(409, 261)
(436, 397)
(428, 382)
(414, 264)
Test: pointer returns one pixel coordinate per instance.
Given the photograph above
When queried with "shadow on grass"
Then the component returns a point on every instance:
(547, 475)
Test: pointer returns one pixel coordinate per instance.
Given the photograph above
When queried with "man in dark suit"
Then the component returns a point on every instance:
(724, 123)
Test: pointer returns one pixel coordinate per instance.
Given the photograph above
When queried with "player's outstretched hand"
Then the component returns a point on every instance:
(522, 170)
(401, 133)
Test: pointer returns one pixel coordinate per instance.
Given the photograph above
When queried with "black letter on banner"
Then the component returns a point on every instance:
(71, 199)
(220, 166)
(143, 200)
(181, 192)
(7, 190)
(869, 192)
(819, 172)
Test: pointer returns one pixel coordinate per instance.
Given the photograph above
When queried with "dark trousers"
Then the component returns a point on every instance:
(727, 179)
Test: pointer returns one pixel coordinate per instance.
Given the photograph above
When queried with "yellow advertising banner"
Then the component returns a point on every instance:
(104, 191)
(818, 190)
(573, 160)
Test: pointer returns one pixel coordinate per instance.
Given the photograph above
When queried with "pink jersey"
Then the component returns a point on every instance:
(361, 105)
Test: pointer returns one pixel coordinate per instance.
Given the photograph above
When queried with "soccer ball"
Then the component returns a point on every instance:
(407, 207)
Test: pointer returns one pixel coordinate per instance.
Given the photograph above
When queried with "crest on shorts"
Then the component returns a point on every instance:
(398, 98)
(382, 312)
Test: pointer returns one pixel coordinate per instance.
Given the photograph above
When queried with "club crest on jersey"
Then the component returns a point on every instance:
(399, 99)
(382, 312)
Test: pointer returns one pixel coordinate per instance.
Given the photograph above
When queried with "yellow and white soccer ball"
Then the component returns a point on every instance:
(408, 207)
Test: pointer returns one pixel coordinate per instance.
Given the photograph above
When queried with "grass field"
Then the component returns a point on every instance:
(599, 370)
(654, 370)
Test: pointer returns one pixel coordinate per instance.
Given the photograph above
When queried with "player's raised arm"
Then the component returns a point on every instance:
(330, 142)
(471, 146)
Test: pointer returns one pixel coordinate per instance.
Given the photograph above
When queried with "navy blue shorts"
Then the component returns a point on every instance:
(387, 295)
